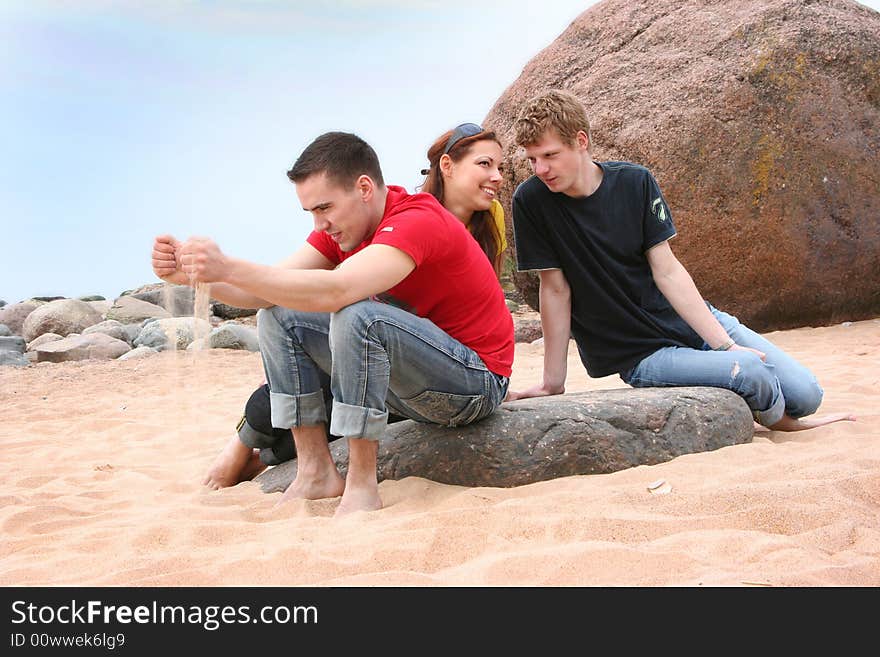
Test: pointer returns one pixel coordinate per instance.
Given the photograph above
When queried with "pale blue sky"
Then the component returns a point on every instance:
(123, 119)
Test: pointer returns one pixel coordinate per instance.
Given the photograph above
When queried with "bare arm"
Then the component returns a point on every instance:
(167, 266)
(678, 287)
(307, 257)
(555, 297)
(373, 270)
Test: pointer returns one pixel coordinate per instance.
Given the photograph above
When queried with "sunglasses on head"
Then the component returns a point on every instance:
(461, 132)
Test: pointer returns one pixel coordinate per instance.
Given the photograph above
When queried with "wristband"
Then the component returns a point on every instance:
(727, 345)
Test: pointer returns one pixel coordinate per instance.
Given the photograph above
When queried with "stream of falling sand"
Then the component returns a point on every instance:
(187, 339)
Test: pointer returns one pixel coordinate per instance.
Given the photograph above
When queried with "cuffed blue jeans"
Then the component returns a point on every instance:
(780, 385)
(375, 357)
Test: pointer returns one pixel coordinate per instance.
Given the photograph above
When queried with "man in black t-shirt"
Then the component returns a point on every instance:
(597, 233)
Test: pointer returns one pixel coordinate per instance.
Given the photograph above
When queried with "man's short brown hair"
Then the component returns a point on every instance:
(341, 156)
(557, 110)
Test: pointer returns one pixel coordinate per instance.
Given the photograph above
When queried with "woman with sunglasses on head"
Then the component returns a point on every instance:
(465, 174)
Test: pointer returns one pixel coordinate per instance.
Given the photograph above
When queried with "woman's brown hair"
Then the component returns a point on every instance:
(482, 225)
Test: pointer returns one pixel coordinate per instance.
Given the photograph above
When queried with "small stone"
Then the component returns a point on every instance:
(659, 487)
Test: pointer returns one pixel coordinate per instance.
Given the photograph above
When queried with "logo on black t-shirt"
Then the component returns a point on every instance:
(658, 208)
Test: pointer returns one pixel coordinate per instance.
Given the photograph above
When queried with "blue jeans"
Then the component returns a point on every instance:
(778, 386)
(375, 358)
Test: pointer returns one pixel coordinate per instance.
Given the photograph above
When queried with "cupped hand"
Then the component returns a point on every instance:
(165, 260)
(739, 347)
(202, 260)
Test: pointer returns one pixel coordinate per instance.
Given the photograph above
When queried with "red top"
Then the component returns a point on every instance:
(453, 283)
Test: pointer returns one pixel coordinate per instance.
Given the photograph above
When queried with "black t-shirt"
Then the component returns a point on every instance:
(618, 315)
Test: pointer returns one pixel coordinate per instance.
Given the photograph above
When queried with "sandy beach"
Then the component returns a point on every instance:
(104, 460)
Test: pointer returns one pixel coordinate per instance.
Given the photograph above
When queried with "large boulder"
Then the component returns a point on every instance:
(178, 300)
(13, 358)
(14, 315)
(537, 439)
(102, 306)
(174, 333)
(81, 347)
(760, 120)
(112, 328)
(43, 339)
(62, 316)
(129, 310)
(13, 343)
(138, 353)
(233, 336)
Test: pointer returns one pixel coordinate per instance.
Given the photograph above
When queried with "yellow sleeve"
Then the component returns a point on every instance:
(497, 213)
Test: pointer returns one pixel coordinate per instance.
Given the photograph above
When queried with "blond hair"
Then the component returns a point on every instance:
(557, 110)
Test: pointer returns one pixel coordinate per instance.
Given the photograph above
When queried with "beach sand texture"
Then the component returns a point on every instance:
(103, 461)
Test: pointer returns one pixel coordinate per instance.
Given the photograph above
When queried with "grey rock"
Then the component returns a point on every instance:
(101, 306)
(13, 358)
(130, 310)
(14, 315)
(131, 332)
(527, 330)
(231, 312)
(534, 440)
(138, 352)
(156, 334)
(233, 336)
(13, 343)
(178, 300)
(81, 347)
(43, 339)
(4, 330)
(111, 327)
(64, 316)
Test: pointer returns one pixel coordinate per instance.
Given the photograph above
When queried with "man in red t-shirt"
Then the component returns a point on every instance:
(391, 305)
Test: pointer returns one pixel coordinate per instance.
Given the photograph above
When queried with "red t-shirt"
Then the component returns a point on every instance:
(453, 283)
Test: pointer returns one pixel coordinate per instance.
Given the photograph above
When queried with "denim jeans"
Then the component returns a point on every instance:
(780, 385)
(375, 358)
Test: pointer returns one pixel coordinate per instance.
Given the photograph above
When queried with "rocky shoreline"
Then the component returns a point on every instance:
(146, 321)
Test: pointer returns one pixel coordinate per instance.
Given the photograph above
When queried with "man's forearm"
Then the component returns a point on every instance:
(233, 296)
(556, 326)
(680, 290)
(311, 290)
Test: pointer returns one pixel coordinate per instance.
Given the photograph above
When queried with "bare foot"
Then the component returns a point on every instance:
(791, 424)
(358, 499)
(235, 464)
(328, 483)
